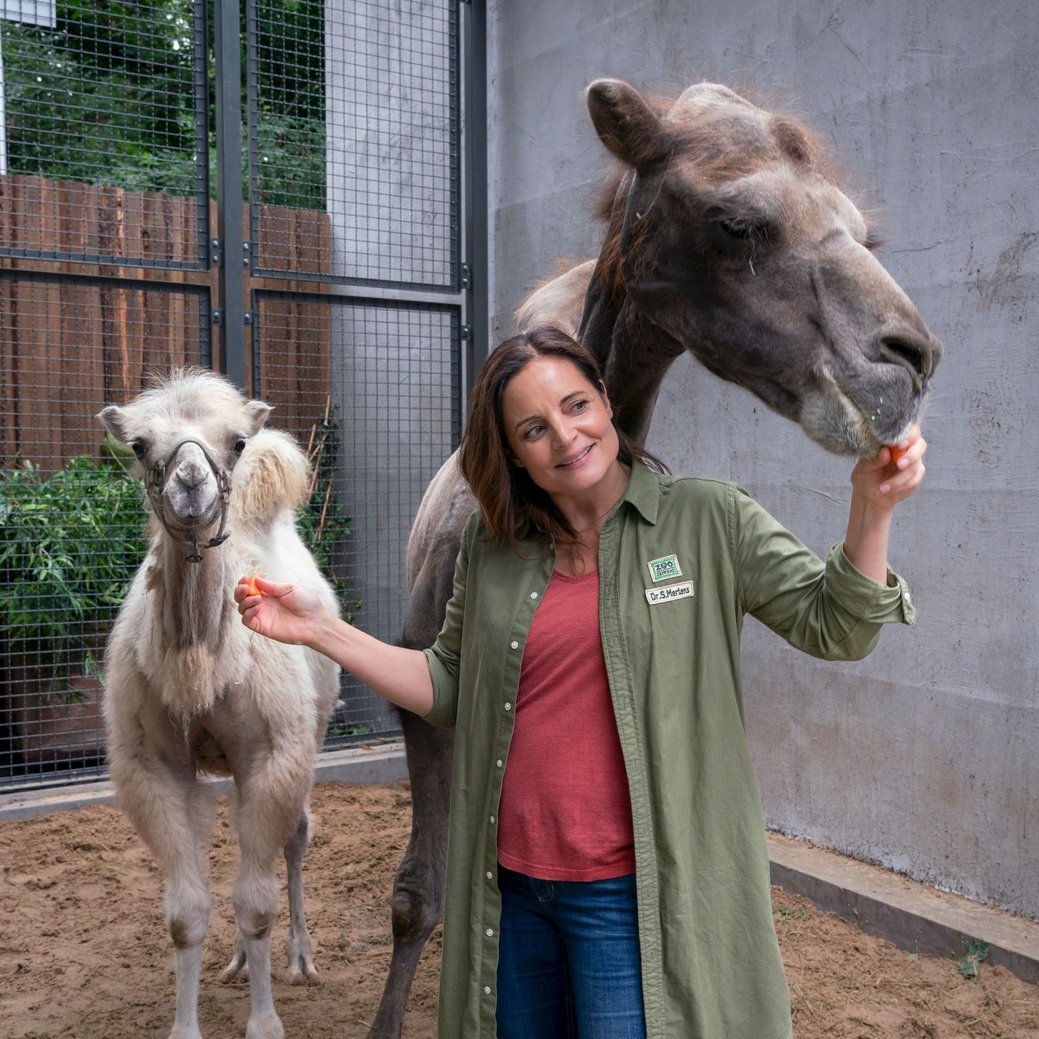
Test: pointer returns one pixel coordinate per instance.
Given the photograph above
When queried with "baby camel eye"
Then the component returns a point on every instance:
(139, 449)
(239, 445)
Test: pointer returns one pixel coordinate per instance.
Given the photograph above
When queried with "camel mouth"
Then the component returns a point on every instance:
(190, 513)
(835, 420)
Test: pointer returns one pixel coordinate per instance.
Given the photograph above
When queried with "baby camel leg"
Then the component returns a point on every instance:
(172, 816)
(298, 945)
(264, 824)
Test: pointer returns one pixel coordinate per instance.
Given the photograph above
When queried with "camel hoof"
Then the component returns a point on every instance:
(182, 1032)
(303, 972)
(265, 1026)
(237, 968)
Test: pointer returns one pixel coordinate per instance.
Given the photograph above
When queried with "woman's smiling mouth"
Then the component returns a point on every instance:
(576, 459)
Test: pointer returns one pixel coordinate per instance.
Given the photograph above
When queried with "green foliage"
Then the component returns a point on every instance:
(105, 97)
(977, 953)
(108, 97)
(70, 543)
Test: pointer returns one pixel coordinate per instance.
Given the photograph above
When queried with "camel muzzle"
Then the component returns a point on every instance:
(159, 475)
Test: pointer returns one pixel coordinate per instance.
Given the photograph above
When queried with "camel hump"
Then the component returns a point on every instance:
(558, 302)
(272, 475)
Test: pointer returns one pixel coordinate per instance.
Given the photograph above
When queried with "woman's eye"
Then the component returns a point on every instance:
(580, 405)
(532, 432)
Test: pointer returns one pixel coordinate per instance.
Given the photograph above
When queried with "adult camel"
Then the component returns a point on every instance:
(727, 236)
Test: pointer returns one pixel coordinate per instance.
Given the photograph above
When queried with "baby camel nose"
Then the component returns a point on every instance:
(191, 474)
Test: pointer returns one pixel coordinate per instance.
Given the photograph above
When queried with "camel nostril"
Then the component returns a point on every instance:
(191, 476)
(914, 354)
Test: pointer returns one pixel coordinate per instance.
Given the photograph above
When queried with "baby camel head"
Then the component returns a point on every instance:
(187, 432)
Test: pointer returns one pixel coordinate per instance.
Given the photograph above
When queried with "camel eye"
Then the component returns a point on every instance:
(736, 229)
(139, 449)
(239, 445)
(746, 230)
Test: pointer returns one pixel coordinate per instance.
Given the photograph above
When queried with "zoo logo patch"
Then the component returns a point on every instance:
(665, 568)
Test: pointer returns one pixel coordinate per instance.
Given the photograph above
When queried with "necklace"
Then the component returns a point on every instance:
(601, 516)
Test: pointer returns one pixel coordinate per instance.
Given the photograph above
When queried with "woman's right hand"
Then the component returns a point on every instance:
(283, 612)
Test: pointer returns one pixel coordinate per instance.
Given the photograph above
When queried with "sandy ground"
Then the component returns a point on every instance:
(83, 952)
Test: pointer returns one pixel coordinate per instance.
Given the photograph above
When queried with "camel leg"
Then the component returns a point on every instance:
(418, 892)
(173, 816)
(298, 946)
(270, 802)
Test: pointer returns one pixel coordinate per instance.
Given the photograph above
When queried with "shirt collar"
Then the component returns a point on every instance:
(644, 491)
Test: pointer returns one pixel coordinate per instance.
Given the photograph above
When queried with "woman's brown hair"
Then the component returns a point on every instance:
(507, 496)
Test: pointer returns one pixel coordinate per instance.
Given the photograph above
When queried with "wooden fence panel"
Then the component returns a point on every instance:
(77, 333)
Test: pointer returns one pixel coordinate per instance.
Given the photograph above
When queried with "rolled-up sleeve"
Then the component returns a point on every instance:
(444, 656)
(827, 609)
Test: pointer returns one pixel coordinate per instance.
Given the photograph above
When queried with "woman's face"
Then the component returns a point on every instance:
(558, 427)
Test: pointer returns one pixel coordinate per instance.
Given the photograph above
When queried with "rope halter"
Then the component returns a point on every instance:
(156, 480)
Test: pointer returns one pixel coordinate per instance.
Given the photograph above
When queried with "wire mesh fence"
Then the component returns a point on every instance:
(391, 416)
(109, 237)
(71, 516)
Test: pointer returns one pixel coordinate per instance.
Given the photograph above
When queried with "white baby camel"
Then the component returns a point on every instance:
(191, 693)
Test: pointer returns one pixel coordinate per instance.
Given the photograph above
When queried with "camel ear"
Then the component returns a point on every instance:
(258, 413)
(628, 127)
(112, 419)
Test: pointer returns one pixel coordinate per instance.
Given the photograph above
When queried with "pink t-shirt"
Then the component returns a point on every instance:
(565, 811)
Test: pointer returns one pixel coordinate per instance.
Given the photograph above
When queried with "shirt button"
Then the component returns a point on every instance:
(492, 820)
(533, 595)
(489, 875)
(514, 644)
(508, 706)
(487, 990)
(490, 933)
(499, 762)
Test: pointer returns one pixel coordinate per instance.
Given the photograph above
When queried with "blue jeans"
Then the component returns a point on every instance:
(568, 961)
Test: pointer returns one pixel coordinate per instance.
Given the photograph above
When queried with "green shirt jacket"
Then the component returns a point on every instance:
(681, 561)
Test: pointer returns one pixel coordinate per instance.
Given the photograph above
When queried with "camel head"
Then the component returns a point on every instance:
(187, 433)
(727, 237)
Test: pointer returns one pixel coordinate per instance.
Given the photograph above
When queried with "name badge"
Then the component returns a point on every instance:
(669, 593)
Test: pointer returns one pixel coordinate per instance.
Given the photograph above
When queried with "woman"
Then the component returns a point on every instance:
(608, 875)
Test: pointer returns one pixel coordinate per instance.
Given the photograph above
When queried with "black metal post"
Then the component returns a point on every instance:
(229, 189)
(476, 223)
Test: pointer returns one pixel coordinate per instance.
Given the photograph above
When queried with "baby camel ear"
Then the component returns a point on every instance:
(112, 419)
(258, 413)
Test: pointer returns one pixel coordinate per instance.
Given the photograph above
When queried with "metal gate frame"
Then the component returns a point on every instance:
(222, 272)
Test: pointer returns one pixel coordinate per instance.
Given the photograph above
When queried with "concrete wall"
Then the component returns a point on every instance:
(925, 756)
